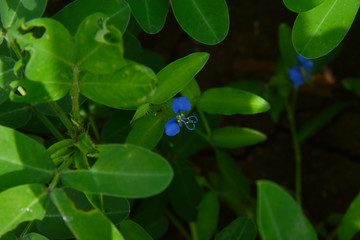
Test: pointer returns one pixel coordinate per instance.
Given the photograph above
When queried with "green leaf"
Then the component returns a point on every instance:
(229, 101)
(19, 164)
(84, 225)
(116, 209)
(177, 75)
(99, 46)
(279, 216)
(74, 13)
(301, 6)
(352, 84)
(320, 30)
(320, 120)
(13, 10)
(124, 171)
(192, 92)
(9, 236)
(185, 192)
(150, 15)
(288, 53)
(232, 175)
(20, 204)
(152, 59)
(147, 131)
(239, 229)
(14, 115)
(208, 215)
(206, 21)
(6, 71)
(34, 236)
(50, 66)
(140, 112)
(233, 137)
(127, 88)
(133, 231)
(350, 223)
(132, 47)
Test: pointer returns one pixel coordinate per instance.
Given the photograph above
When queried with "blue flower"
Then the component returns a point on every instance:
(302, 73)
(179, 104)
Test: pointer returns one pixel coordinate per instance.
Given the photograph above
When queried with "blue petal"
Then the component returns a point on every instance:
(296, 76)
(172, 128)
(181, 104)
(306, 63)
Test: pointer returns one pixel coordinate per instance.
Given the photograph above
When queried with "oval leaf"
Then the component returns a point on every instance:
(19, 164)
(320, 30)
(350, 223)
(13, 10)
(208, 215)
(34, 236)
(177, 75)
(14, 115)
(99, 47)
(126, 88)
(20, 204)
(301, 6)
(229, 101)
(149, 14)
(123, 170)
(91, 225)
(74, 13)
(204, 20)
(233, 137)
(279, 217)
(239, 229)
(132, 230)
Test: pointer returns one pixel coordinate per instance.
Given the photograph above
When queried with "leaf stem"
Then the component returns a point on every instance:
(297, 152)
(178, 225)
(62, 116)
(193, 230)
(206, 124)
(47, 123)
(26, 229)
(75, 95)
(94, 128)
(58, 172)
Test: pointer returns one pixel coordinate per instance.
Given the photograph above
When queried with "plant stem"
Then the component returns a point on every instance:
(26, 229)
(62, 116)
(58, 171)
(47, 123)
(75, 95)
(16, 49)
(297, 152)
(206, 124)
(178, 225)
(94, 128)
(193, 230)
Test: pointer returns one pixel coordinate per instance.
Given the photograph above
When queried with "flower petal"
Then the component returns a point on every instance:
(296, 76)
(172, 128)
(308, 64)
(181, 104)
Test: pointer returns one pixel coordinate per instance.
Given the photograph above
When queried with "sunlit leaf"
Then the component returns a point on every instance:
(350, 223)
(233, 137)
(301, 6)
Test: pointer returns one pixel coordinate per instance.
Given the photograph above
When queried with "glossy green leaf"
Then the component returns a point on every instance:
(74, 13)
(99, 46)
(150, 15)
(84, 225)
(320, 120)
(233, 137)
(229, 101)
(133, 231)
(50, 66)
(232, 175)
(14, 115)
(320, 30)
(301, 6)
(20, 204)
(208, 215)
(279, 216)
(12, 10)
(34, 236)
(239, 229)
(352, 84)
(141, 111)
(147, 131)
(117, 127)
(177, 75)
(127, 88)
(124, 171)
(288, 53)
(350, 224)
(185, 192)
(19, 164)
(205, 21)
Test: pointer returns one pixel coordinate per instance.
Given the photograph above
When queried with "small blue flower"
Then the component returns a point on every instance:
(302, 73)
(179, 104)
